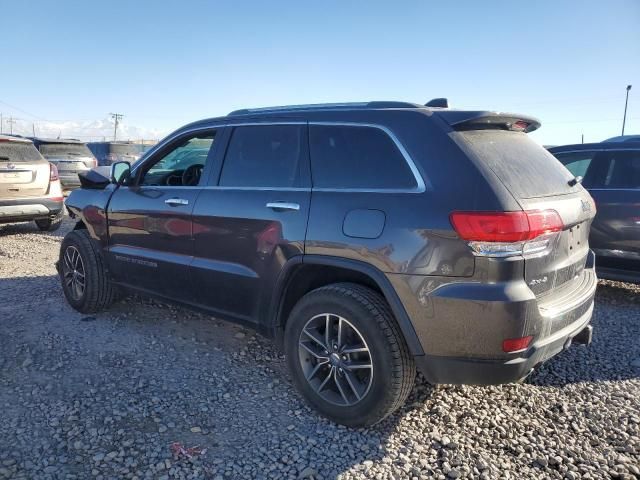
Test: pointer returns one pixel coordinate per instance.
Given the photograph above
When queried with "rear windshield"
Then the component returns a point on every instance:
(19, 152)
(65, 150)
(525, 168)
(124, 149)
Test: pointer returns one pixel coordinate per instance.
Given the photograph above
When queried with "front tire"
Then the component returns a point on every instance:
(347, 355)
(85, 282)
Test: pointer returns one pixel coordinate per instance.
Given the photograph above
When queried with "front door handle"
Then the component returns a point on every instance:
(281, 206)
(174, 202)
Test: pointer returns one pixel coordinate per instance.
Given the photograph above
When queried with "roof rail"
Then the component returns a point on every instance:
(325, 106)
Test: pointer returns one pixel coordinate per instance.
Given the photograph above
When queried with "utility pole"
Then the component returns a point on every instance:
(117, 117)
(1, 123)
(624, 118)
(11, 121)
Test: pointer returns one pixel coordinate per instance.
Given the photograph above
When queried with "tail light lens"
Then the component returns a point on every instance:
(502, 234)
(53, 175)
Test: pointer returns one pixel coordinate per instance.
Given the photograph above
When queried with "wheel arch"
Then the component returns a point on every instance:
(301, 274)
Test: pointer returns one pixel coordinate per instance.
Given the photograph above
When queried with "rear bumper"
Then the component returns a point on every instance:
(22, 209)
(471, 371)
(461, 325)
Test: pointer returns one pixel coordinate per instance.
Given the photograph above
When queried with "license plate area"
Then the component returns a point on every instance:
(16, 176)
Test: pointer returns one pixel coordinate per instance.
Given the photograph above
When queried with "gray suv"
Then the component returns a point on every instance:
(368, 239)
(71, 157)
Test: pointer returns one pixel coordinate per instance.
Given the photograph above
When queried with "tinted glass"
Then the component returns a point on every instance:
(576, 162)
(19, 152)
(616, 169)
(354, 157)
(527, 169)
(65, 150)
(264, 156)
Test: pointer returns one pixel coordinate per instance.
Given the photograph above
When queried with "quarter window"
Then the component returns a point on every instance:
(357, 157)
(265, 156)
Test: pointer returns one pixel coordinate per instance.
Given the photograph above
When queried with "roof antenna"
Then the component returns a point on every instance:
(438, 103)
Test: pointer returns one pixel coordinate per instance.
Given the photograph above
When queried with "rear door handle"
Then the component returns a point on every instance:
(174, 202)
(280, 206)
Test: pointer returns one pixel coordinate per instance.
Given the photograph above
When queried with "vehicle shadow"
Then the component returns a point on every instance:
(23, 228)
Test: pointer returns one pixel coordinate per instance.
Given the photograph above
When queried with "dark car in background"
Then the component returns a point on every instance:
(611, 173)
(369, 239)
(71, 157)
(29, 185)
(110, 152)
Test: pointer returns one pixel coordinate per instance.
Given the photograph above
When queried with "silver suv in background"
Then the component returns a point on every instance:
(71, 157)
(29, 185)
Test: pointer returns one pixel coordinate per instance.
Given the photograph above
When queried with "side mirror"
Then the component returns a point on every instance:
(120, 172)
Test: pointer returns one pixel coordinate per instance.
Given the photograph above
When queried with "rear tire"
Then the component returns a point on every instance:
(348, 395)
(50, 224)
(85, 282)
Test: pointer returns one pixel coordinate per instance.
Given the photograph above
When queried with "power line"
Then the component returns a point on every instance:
(117, 117)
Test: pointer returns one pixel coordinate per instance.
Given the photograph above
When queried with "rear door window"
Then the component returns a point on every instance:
(265, 156)
(616, 170)
(525, 168)
(357, 157)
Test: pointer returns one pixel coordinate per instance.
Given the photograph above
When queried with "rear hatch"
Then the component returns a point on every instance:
(23, 171)
(538, 182)
(69, 157)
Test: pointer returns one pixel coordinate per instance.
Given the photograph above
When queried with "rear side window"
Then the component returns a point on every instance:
(615, 169)
(576, 162)
(265, 156)
(19, 152)
(525, 168)
(357, 157)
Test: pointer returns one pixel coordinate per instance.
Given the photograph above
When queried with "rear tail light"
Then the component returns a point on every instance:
(55, 189)
(53, 176)
(503, 234)
(512, 345)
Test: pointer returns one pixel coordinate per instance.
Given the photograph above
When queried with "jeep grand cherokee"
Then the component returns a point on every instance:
(368, 239)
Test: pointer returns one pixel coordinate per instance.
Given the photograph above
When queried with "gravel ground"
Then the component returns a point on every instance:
(106, 397)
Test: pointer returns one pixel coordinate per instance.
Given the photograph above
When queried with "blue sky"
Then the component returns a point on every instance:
(164, 64)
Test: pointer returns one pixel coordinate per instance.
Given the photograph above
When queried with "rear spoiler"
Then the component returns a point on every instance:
(478, 120)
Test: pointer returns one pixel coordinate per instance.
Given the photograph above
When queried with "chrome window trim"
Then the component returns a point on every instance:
(421, 185)
(268, 189)
(593, 150)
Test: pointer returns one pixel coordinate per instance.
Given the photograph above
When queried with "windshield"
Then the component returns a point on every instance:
(65, 150)
(18, 152)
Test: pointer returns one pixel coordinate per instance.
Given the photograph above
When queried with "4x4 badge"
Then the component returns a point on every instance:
(586, 206)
